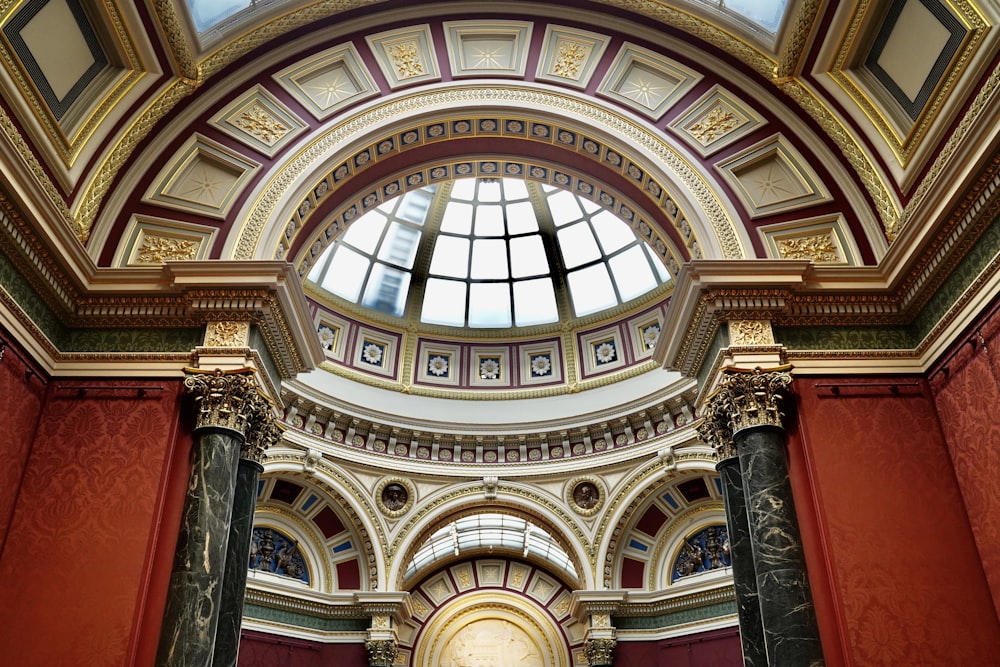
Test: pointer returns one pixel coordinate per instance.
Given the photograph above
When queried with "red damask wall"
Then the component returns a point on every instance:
(967, 392)
(263, 650)
(718, 648)
(22, 391)
(894, 548)
(84, 569)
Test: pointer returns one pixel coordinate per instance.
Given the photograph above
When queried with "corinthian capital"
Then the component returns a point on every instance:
(381, 652)
(225, 399)
(752, 397)
(715, 429)
(599, 651)
(262, 430)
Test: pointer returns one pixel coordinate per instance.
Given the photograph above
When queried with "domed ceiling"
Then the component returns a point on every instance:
(492, 203)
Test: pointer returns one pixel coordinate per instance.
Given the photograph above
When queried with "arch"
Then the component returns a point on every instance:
(514, 628)
(337, 489)
(290, 186)
(455, 501)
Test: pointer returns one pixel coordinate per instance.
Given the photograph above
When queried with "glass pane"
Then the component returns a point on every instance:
(521, 218)
(365, 232)
(588, 205)
(489, 259)
(661, 269)
(591, 290)
(347, 273)
(489, 191)
(514, 189)
(632, 273)
(564, 207)
(451, 257)
(415, 205)
(489, 220)
(457, 218)
(400, 245)
(444, 302)
(612, 233)
(535, 302)
(387, 289)
(527, 257)
(489, 305)
(464, 189)
(578, 245)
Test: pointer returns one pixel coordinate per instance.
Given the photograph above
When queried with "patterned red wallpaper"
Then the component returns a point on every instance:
(23, 392)
(907, 581)
(75, 570)
(967, 393)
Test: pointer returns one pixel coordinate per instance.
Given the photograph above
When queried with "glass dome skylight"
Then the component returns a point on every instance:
(488, 531)
(489, 253)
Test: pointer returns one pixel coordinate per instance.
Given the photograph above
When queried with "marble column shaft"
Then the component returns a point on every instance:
(791, 635)
(744, 574)
(234, 581)
(191, 618)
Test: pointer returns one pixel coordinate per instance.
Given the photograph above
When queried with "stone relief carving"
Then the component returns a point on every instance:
(491, 642)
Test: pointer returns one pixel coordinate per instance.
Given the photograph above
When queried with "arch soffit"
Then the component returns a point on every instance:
(632, 495)
(438, 509)
(664, 171)
(342, 492)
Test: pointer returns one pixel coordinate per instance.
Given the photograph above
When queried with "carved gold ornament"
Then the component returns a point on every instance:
(257, 122)
(819, 248)
(158, 249)
(717, 123)
(750, 332)
(571, 55)
(227, 334)
(406, 58)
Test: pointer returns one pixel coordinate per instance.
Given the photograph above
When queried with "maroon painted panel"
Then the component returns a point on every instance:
(717, 648)
(262, 650)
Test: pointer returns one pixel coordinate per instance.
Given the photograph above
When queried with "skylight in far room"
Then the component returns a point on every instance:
(489, 253)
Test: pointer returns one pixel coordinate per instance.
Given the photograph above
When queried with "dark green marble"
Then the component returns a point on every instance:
(190, 622)
(744, 574)
(791, 635)
(234, 581)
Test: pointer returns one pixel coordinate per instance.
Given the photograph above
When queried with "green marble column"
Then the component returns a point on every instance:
(190, 621)
(752, 400)
(262, 432)
(715, 430)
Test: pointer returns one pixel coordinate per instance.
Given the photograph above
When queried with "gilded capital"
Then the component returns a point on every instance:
(600, 651)
(225, 399)
(381, 652)
(715, 429)
(262, 430)
(752, 397)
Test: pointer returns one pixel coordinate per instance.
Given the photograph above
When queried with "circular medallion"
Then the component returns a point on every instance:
(394, 496)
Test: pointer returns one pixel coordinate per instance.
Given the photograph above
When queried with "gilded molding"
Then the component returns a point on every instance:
(178, 46)
(887, 206)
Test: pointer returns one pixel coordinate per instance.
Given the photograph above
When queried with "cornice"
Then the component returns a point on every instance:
(801, 295)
